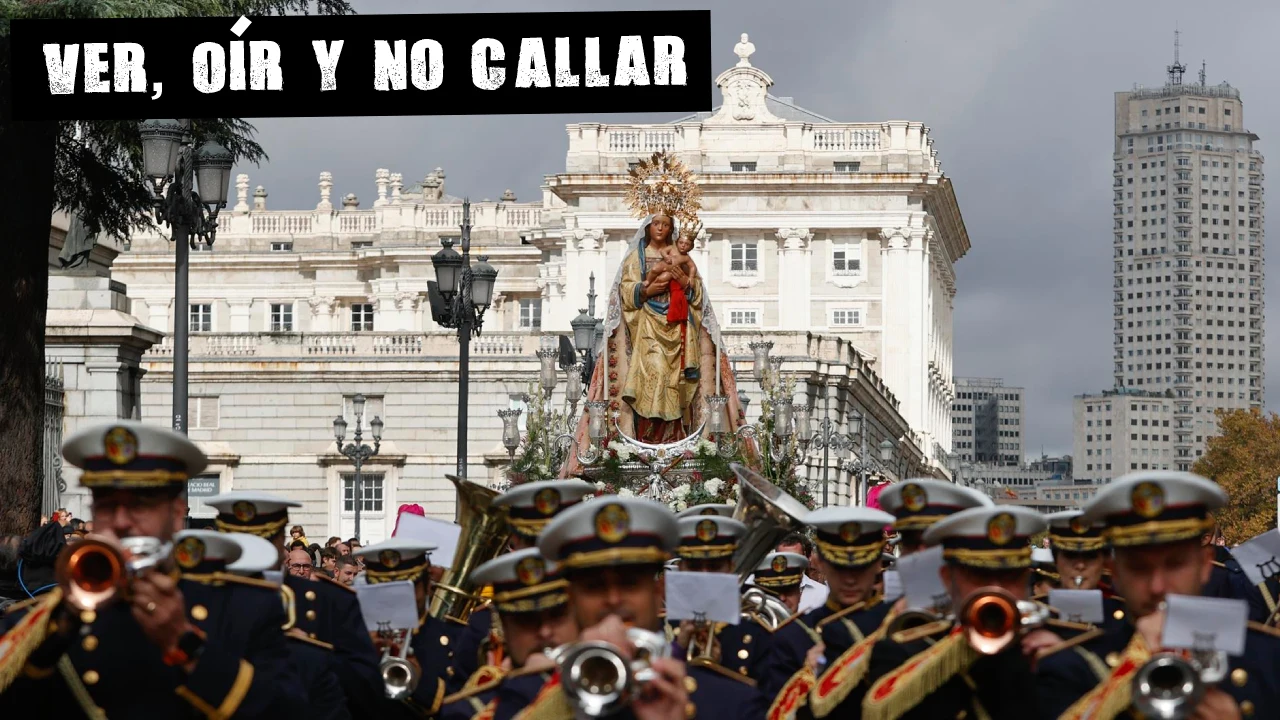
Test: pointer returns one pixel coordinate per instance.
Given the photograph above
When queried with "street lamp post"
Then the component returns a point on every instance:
(466, 292)
(173, 164)
(357, 452)
(828, 439)
(865, 464)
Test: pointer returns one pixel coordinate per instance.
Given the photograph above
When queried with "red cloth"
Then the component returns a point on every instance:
(414, 509)
(678, 308)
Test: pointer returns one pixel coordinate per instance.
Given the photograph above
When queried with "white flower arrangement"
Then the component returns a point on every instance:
(713, 486)
(626, 493)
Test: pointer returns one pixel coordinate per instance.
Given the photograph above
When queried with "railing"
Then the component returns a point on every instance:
(1223, 91)
(641, 140)
(264, 346)
(54, 406)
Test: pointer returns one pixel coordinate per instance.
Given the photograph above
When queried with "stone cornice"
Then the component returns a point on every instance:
(569, 186)
(942, 206)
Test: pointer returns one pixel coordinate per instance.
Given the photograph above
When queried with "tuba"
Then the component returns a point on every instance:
(94, 573)
(483, 537)
(1170, 684)
(765, 607)
(992, 618)
(769, 514)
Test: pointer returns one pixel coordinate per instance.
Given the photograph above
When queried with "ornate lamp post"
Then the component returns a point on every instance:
(357, 452)
(827, 439)
(865, 464)
(510, 430)
(174, 165)
(466, 292)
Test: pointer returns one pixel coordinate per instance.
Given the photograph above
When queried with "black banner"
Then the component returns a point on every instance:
(315, 66)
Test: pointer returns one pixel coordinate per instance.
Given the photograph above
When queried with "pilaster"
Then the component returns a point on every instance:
(239, 310)
(794, 278)
(322, 313)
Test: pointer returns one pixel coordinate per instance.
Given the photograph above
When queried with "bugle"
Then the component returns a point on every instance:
(93, 573)
(992, 618)
(597, 678)
(399, 676)
(483, 537)
(1171, 684)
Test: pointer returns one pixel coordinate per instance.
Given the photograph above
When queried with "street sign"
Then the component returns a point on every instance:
(202, 487)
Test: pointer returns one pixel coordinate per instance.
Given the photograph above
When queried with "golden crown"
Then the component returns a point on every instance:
(662, 184)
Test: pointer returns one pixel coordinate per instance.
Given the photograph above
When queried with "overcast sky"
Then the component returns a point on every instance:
(1019, 96)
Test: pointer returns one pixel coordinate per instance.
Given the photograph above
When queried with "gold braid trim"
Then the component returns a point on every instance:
(131, 478)
(550, 704)
(779, 582)
(28, 634)
(850, 556)
(897, 693)
(1158, 532)
(706, 552)
(1012, 559)
(1114, 694)
(265, 530)
(847, 672)
(375, 576)
(1077, 544)
(610, 556)
(916, 522)
(528, 527)
(793, 696)
(533, 604)
(530, 590)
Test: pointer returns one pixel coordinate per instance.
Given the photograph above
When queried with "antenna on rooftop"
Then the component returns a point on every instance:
(1177, 68)
(1201, 73)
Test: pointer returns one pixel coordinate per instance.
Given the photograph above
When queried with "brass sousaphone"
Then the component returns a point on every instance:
(485, 533)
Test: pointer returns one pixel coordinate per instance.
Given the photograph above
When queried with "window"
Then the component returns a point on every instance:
(202, 413)
(370, 492)
(744, 317)
(362, 317)
(742, 166)
(844, 317)
(361, 244)
(743, 259)
(201, 318)
(845, 260)
(531, 313)
(848, 167)
(281, 247)
(281, 317)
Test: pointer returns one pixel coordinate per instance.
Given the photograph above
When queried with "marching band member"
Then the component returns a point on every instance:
(530, 507)
(932, 671)
(781, 573)
(918, 503)
(611, 550)
(1154, 521)
(172, 644)
(325, 610)
(1080, 552)
(1044, 573)
(530, 600)
(398, 560)
(1228, 580)
(850, 543)
(707, 544)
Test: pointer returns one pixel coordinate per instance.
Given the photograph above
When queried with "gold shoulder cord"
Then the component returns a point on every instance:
(81, 693)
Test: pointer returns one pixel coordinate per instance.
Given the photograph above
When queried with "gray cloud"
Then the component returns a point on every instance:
(1019, 97)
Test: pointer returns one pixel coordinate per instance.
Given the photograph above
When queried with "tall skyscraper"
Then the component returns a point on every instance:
(1188, 255)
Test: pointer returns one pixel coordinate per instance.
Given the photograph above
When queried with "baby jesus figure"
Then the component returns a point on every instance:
(675, 265)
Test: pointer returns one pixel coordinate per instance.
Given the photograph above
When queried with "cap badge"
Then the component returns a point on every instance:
(389, 558)
(613, 523)
(121, 445)
(244, 511)
(1000, 529)
(547, 501)
(189, 553)
(779, 564)
(848, 532)
(1078, 525)
(531, 570)
(706, 530)
(914, 498)
(1148, 499)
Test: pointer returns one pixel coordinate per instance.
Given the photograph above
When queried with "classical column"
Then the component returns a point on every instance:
(922, 323)
(895, 311)
(794, 279)
(242, 193)
(322, 313)
(586, 252)
(326, 187)
(238, 311)
(406, 309)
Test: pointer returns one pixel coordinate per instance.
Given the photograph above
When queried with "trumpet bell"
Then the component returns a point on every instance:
(91, 573)
(399, 678)
(1167, 687)
(596, 679)
(991, 619)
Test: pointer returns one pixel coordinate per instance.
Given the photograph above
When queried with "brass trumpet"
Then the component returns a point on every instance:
(599, 681)
(1170, 685)
(94, 573)
(992, 618)
(399, 676)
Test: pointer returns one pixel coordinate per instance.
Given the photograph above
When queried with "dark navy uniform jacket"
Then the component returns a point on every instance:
(1067, 675)
(432, 647)
(469, 655)
(838, 628)
(316, 669)
(245, 670)
(744, 648)
(1229, 581)
(328, 611)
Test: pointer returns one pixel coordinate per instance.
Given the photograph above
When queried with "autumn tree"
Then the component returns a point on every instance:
(1244, 458)
(93, 169)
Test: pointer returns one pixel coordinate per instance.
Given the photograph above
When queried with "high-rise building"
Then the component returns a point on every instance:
(986, 422)
(1188, 255)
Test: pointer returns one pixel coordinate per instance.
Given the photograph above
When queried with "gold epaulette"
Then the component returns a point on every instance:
(707, 664)
(333, 582)
(1068, 625)
(310, 641)
(921, 632)
(221, 578)
(793, 696)
(26, 635)
(845, 674)
(1259, 627)
(1068, 644)
(864, 605)
(290, 606)
(897, 693)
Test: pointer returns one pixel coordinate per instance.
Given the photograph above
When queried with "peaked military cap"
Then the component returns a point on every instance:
(129, 454)
(523, 582)
(919, 503)
(781, 571)
(395, 559)
(849, 537)
(611, 530)
(1155, 507)
(990, 538)
(1042, 563)
(1069, 531)
(533, 505)
(200, 552)
(247, 511)
(706, 509)
(709, 537)
(257, 555)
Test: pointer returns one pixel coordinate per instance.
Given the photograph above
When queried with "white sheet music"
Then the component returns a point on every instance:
(713, 597)
(1205, 623)
(392, 602)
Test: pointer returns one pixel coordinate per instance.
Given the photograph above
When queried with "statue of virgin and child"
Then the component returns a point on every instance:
(660, 330)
